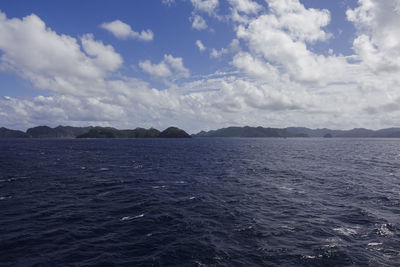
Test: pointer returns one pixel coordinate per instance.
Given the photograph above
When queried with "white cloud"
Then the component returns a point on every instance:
(255, 67)
(176, 64)
(158, 70)
(233, 47)
(218, 53)
(54, 62)
(282, 38)
(168, 2)
(122, 30)
(378, 41)
(103, 55)
(243, 10)
(304, 24)
(279, 53)
(207, 6)
(198, 23)
(200, 45)
(246, 6)
(169, 67)
(275, 78)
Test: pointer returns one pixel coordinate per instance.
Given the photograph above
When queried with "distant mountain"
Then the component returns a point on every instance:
(298, 132)
(8, 133)
(356, 132)
(389, 132)
(57, 132)
(173, 132)
(108, 132)
(246, 132)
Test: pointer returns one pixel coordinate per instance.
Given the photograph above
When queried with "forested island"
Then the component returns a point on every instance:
(247, 131)
(100, 132)
(92, 132)
(174, 132)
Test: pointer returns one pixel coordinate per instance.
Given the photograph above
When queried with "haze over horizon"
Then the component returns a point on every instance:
(200, 64)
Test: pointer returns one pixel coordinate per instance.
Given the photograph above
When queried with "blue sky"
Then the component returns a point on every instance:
(170, 24)
(200, 64)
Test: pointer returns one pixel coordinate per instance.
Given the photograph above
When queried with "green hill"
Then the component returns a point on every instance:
(8, 133)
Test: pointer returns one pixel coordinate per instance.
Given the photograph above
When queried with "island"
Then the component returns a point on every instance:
(92, 132)
(8, 133)
(108, 132)
(298, 132)
(56, 132)
(174, 132)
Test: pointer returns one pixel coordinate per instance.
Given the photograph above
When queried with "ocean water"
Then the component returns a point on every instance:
(200, 202)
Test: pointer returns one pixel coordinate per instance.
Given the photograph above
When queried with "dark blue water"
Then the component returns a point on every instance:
(200, 202)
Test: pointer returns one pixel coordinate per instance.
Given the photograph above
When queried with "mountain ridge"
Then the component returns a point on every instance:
(174, 132)
(247, 131)
(92, 132)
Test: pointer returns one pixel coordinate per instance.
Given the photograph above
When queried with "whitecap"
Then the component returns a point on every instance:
(346, 231)
(128, 218)
(191, 198)
(104, 169)
(383, 230)
(158, 186)
(288, 228)
(13, 179)
(374, 244)
(286, 188)
(309, 257)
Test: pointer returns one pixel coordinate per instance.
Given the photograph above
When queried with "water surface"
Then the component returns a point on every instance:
(200, 202)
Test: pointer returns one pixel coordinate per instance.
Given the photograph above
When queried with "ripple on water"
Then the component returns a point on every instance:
(211, 202)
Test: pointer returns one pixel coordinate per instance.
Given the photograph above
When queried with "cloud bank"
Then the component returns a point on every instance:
(277, 78)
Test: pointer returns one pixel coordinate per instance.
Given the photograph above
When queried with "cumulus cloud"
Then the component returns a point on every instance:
(304, 24)
(218, 53)
(378, 41)
(54, 62)
(246, 6)
(207, 6)
(158, 70)
(168, 2)
(198, 22)
(275, 78)
(279, 52)
(200, 45)
(123, 31)
(234, 46)
(242, 10)
(254, 66)
(282, 37)
(169, 67)
(78, 73)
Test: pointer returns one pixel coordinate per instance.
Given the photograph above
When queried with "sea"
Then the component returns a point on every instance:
(200, 202)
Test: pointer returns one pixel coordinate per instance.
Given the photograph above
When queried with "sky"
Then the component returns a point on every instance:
(200, 64)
